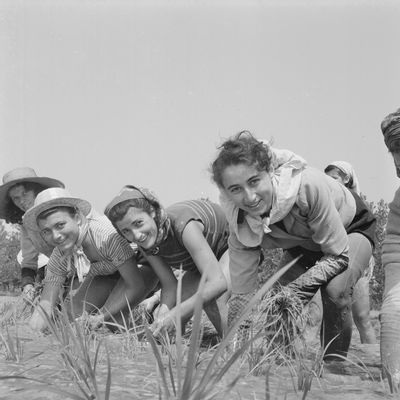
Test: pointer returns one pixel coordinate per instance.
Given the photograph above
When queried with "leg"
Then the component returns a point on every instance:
(336, 297)
(91, 294)
(360, 309)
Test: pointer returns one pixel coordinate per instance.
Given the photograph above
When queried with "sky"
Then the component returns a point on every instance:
(100, 94)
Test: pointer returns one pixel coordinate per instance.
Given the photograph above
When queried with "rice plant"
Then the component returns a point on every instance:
(11, 346)
(80, 354)
(193, 378)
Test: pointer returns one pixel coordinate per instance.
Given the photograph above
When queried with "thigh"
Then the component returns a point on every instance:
(360, 251)
(92, 293)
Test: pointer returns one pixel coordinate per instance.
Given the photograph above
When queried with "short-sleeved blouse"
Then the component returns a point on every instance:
(216, 231)
(113, 251)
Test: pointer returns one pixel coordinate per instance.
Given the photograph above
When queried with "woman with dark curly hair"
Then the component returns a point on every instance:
(274, 200)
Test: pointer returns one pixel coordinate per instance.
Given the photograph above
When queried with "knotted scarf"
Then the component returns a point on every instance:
(77, 255)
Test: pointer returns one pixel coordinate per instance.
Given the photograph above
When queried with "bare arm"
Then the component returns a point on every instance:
(48, 300)
(167, 279)
(130, 288)
(206, 262)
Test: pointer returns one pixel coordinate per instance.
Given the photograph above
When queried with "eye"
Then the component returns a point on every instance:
(138, 223)
(254, 181)
(45, 232)
(235, 190)
(60, 225)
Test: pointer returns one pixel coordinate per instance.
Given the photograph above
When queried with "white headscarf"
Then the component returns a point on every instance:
(286, 169)
(348, 170)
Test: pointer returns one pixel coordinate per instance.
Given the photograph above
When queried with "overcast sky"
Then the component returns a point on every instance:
(104, 93)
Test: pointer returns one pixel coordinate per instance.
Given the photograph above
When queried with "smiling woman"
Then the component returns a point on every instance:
(274, 200)
(90, 260)
(191, 235)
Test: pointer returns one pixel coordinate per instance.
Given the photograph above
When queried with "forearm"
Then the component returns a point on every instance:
(120, 297)
(307, 284)
(212, 290)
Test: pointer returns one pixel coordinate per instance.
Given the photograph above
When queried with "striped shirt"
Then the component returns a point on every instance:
(112, 249)
(216, 232)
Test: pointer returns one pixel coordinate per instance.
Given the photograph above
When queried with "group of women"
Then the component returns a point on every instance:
(103, 265)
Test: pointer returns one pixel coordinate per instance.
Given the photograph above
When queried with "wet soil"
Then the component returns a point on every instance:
(134, 372)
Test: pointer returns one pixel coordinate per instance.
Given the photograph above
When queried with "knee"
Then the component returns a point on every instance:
(341, 298)
(361, 318)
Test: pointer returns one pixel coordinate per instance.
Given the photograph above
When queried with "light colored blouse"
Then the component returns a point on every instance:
(323, 208)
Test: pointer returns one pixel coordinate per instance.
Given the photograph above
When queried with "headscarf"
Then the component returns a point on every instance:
(161, 219)
(286, 170)
(347, 169)
(391, 128)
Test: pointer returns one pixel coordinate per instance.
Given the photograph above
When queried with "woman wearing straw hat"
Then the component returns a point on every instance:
(17, 194)
(390, 311)
(89, 256)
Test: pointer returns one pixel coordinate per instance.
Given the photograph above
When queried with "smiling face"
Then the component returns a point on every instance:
(60, 229)
(248, 188)
(139, 227)
(22, 197)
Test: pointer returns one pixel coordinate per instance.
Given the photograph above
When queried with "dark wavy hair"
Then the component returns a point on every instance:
(13, 213)
(243, 148)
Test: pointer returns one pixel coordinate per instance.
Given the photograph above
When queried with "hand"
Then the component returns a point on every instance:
(151, 302)
(38, 321)
(28, 293)
(163, 320)
(91, 322)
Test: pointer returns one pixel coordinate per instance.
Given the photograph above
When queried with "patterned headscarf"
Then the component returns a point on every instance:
(161, 219)
(391, 128)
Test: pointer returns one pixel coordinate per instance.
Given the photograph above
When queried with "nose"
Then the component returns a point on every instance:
(250, 195)
(56, 235)
(136, 235)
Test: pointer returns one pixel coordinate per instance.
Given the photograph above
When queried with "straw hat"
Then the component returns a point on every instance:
(50, 198)
(21, 175)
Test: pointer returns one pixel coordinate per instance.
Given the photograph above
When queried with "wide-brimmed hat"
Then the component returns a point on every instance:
(50, 198)
(21, 175)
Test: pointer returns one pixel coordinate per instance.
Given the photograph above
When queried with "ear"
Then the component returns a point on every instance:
(78, 219)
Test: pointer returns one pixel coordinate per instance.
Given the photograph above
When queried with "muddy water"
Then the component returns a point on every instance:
(134, 373)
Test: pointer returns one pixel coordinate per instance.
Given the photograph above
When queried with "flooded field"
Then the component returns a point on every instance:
(134, 372)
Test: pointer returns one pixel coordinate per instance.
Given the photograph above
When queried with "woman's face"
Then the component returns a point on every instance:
(249, 189)
(21, 197)
(60, 229)
(337, 175)
(139, 227)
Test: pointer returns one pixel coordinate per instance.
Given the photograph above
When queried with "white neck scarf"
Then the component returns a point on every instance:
(285, 177)
(81, 262)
